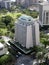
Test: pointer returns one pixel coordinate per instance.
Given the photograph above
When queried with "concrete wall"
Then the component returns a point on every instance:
(46, 7)
(37, 34)
(29, 37)
(21, 34)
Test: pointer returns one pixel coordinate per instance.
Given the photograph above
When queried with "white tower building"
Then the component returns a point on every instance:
(44, 13)
(27, 31)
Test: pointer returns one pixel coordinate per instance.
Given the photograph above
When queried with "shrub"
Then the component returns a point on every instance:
(5, 59)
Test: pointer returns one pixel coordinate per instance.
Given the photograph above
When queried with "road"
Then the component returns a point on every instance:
(6, 39)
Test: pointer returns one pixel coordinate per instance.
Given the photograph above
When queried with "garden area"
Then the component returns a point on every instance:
(7, 60)
(8, 18)
(7, 22)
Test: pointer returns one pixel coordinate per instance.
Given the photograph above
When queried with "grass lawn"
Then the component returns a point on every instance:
(7, 60)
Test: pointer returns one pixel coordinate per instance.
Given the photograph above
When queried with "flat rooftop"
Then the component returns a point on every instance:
(44, 3)
(25, 18)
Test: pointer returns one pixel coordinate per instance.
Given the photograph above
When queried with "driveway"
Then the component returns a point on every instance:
(6, 39)
(24, 60)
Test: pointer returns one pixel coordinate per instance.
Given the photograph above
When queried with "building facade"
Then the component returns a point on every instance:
(48, 0)
(44, 13)
(27, 31)
(5, 4)
(26, 3)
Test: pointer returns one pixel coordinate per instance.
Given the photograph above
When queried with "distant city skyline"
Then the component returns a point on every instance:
(14, 0)
(10, 0)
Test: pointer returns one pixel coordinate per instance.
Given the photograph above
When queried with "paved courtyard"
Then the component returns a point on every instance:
(24, 60)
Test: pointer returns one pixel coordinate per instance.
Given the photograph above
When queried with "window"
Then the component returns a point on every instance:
(1, 48)
(46, 13)
(46, 20)
(46, 17)
(29, 20)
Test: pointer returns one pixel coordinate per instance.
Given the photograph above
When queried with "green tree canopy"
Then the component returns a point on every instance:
(6, 19)
(45, 41)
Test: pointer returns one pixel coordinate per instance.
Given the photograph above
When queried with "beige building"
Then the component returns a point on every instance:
(27, 31)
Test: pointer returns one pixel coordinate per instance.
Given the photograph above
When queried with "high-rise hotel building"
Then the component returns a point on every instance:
(27, 31)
